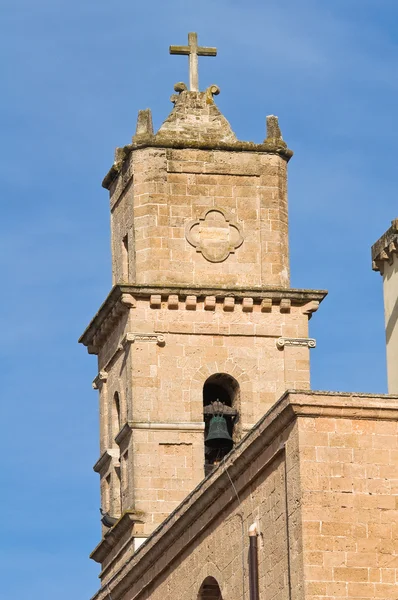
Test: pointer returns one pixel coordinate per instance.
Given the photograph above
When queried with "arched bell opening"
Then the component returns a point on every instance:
(209, 590)
(221, 397)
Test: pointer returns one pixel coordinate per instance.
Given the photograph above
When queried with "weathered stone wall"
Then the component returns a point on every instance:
(319, 475)
(349, 482)
(160, 387)
(168, 379)
(122, 227)
(268, 496)
(222, 548)
(161, 192)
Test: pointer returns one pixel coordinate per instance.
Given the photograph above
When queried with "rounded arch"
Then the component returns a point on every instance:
(209, 590)
(226, 368)
(209, 569)
(223, 387)
(221, 410)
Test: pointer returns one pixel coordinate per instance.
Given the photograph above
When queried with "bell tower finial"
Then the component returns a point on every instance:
(193, 51)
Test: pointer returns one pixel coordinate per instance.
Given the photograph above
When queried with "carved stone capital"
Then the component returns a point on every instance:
(284, 341)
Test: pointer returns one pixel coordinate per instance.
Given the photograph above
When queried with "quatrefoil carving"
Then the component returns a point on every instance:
(214, 234)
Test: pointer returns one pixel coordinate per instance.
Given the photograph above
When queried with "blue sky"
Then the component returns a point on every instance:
(74, 74)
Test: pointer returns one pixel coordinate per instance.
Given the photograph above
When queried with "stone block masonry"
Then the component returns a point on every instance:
(201, 310)
(166, 347)
(319, 475)
(238, 201)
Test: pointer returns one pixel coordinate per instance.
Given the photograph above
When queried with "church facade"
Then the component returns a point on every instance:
(222, 475)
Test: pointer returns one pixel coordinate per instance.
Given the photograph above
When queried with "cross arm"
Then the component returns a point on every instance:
(207, 51)
(180, 50)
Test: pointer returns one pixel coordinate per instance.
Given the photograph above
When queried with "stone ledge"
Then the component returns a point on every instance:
(110, 454)
(292, 405)
(385, 248)
(123, 296)
(115, 534)
(271, 146)
(173, 426)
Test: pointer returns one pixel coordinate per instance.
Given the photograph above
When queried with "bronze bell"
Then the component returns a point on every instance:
(218, 436)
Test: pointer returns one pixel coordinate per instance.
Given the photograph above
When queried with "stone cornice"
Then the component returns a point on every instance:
(385, 248)
(110, 454)
(123, 433)
(114, 535)
(130, 425)
(124, 296)
(292, 405)
(199, 426)
(115, 305)
(269, 146)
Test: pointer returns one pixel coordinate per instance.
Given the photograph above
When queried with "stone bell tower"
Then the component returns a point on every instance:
(201, 309)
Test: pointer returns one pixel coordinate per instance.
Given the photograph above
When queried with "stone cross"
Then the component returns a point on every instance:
(193, 51)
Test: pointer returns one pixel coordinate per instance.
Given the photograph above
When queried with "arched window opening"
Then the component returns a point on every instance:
(220, 410)
(209, 590)
(116, 415)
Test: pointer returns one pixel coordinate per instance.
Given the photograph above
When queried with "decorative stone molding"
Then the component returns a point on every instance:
(110, 455)
(190, 302)
(283, 341)
(214, 234)
(130, 338)
(285, 305)
(194, 426)
(155, 300)
(106, 318)
(130, 425)
(266, 305)
(119, 308)
(123, 433)
(100, 380)
(229, 303)
(210, 303)
(179, 87)
(172, 301)
(128, 300)
(311, 307)
(385, 248)
(122, 527)
(212, 90)
(247, 304)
